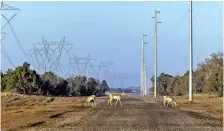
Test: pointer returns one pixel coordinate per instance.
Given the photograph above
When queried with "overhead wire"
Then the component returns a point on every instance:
(4, 52)
(21, 47)
(176, 26)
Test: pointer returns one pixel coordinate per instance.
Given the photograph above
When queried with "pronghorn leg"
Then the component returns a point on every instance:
(172, 104)
(93, 102)
(169, 103)
(164, 102)
(120, 102)
(116, 102)
(111, 102)
(108, 102)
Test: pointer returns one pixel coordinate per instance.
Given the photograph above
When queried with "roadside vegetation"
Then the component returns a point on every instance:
(23, 80)
(207, 79)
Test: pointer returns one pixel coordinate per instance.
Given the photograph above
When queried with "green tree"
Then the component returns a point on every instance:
(22, 80)
(104, 86)
(9, 80)
(163, 82)
(208, 75)
(91, 86)
(2, 83)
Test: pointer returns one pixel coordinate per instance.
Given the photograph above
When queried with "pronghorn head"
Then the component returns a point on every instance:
(175, 103)
(123, 94)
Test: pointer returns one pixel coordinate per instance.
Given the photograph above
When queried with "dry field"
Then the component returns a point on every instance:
(212, 105)
(22, 111)
(33, 113)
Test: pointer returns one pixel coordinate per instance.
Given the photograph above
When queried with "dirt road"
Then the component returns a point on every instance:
(135, 115)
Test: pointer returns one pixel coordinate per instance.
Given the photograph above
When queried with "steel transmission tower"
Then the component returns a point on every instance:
(48, 54)
(9, 9)
(6, 9)
(106, 69)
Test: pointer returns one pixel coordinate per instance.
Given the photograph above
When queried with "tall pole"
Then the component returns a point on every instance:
(191, 48)
(155, 50)
(142, 66)
(145, 80)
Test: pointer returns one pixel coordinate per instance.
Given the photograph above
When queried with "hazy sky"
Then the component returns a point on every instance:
(111, 31)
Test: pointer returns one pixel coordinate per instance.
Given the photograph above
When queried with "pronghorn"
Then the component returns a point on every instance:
(90, 99)
(116, 97)
(170, 100)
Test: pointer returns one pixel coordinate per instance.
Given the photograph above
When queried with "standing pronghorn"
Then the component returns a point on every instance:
(170, 101)
(116, 97)
(90, 99)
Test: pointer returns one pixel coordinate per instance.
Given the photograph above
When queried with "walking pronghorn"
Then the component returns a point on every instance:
(116, 97)
(90, 99)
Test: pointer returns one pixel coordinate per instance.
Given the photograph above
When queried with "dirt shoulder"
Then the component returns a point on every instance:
(23, 111)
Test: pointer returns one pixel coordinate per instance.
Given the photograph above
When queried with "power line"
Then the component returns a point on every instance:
(3, 8)
(21, 47)
(7, 56)
(184, 16)
(176, 26)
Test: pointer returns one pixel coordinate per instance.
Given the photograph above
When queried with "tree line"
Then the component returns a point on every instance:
(24, 80)
(207, 78)
(120, 90)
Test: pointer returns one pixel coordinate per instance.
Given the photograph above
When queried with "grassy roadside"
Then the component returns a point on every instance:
(212, 106)
(22, 111)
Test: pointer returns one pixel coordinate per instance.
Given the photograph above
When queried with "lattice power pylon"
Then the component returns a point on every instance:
(7, 14)
(95, 69)
(47, 55)
(80, 64)
(106, 69)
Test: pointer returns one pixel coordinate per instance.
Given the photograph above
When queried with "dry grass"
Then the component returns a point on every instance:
(22, 111)
(210, 105)
(202, 103)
